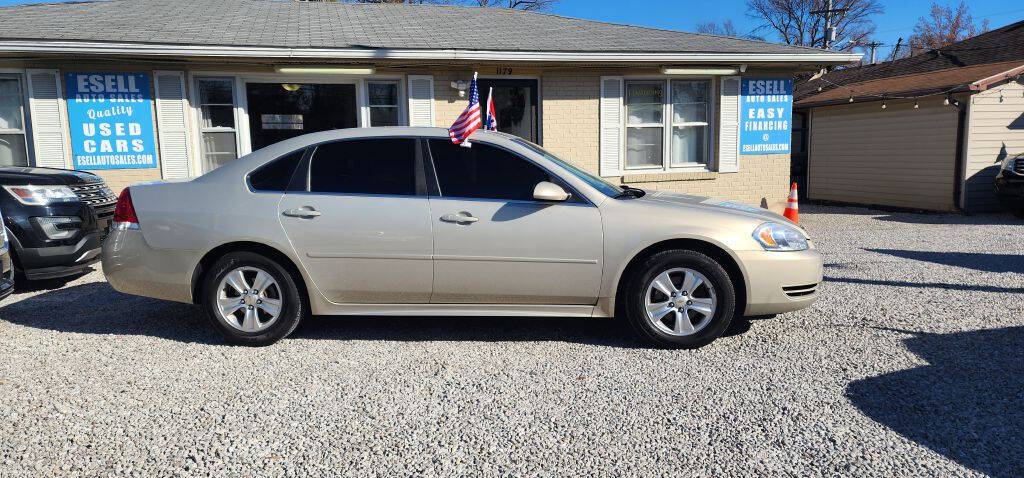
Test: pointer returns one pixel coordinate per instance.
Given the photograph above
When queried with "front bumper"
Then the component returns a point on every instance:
(779, 282)
(6, 274)
(133, 267)
(40, 263)
(1010, 192)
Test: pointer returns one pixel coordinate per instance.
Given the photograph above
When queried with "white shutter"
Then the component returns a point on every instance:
(172, 128)
(421, 100)
(611, 126)
(729, 126)
(48, 130)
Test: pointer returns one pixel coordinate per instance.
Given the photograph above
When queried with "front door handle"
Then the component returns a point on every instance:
(460, 218)
(304, 212)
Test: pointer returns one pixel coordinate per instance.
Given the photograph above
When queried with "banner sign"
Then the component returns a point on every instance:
(766, 112)
(111, 120)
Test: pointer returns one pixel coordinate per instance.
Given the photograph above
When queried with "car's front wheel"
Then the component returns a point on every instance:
(251, 299)
(680, 299)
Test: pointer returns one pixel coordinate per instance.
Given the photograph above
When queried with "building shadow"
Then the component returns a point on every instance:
(96, 308)
(979, 261)
(966, 404)
(926, 285)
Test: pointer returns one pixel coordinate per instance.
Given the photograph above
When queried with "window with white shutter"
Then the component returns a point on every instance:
(421, 100)
(729, 126)
(172, 128)
(611, 126)
(48, 125)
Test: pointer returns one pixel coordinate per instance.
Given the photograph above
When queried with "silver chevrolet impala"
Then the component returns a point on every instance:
(400, 221)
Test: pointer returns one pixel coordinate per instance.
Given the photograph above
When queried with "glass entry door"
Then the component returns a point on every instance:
(278, 111)
(515, 104)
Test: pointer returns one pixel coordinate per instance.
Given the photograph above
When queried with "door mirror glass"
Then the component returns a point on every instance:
(547, 191)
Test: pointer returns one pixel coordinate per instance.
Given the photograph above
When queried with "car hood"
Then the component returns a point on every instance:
(710, 204)
(41, 176)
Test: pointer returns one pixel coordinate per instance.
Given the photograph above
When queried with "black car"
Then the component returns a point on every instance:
(1010, 184)
(56, 219)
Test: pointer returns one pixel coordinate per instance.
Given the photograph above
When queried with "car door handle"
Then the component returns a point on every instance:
(462, 217)
(305, 212)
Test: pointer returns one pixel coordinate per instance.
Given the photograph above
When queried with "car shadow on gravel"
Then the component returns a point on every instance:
(96, 308)
(966, 404)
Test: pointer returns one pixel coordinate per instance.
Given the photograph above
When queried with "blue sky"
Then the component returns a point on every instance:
(898, 19)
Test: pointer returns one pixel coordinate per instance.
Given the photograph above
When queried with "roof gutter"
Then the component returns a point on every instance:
(367, 54)
(984, 83)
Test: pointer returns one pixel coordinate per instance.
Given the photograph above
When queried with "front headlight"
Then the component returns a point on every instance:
(779, 237)
(41, 195)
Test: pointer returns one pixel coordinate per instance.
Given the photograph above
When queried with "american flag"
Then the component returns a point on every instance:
(469, 120)
(491, 119)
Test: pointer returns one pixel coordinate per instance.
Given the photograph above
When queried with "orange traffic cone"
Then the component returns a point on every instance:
(792, 206)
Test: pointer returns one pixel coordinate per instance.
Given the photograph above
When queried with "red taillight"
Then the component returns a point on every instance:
(124, 212)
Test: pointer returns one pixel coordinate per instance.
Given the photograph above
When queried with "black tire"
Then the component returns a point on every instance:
(636, 288)
(293, 308)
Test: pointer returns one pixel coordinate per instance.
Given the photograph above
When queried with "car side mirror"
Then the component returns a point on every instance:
(547, 191)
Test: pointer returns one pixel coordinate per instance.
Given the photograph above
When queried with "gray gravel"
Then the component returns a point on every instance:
(910, 364)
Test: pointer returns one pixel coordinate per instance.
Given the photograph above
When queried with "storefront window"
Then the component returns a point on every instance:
(644, 124)
(217, 121)
(687, 105)
(12, 123)
(383, 102)
(689, 123)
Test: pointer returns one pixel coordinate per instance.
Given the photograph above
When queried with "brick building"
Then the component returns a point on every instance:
(156, 89)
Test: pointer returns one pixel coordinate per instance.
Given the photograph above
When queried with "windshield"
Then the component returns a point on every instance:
(605, 187)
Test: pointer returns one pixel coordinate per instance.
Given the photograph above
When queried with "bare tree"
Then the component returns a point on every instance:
(518, 4)
(726, 29)
(944, 26)
(794, 24)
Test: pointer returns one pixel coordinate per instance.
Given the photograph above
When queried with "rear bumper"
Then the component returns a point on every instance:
(133, 267)
(779, 282)
(60, 261)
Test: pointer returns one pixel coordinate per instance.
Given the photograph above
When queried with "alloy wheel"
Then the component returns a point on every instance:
(680, 301)
(249, 299)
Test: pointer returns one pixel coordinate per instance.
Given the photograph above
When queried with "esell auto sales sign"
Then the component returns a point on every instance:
(111, 120)
(766, 113)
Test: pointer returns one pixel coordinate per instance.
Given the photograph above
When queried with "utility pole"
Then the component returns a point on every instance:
(830, 32)
(874, 45)
(896, 49)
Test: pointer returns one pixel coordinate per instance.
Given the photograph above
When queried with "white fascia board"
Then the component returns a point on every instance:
(126, 49)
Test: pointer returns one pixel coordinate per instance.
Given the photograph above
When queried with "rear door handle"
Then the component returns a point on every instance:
(305, 212)
(460, 218)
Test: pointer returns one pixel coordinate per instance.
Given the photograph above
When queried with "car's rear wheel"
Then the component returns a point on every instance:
(252, 299)
(679, 299)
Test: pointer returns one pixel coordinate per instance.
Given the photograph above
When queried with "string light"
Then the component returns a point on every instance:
(883, 105)
(946, 101)
(916, 106)
(851, 98)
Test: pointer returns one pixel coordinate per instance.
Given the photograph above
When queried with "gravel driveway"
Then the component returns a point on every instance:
(910, 364)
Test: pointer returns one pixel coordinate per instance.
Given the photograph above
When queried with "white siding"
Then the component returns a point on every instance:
(899, 156)
(996, 130)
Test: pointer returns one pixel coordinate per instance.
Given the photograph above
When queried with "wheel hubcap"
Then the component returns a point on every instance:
(680, 301)
(249, 299)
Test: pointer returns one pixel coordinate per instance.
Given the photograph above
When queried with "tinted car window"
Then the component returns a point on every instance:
(365, 166)
(277, 174)
(484, 172)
